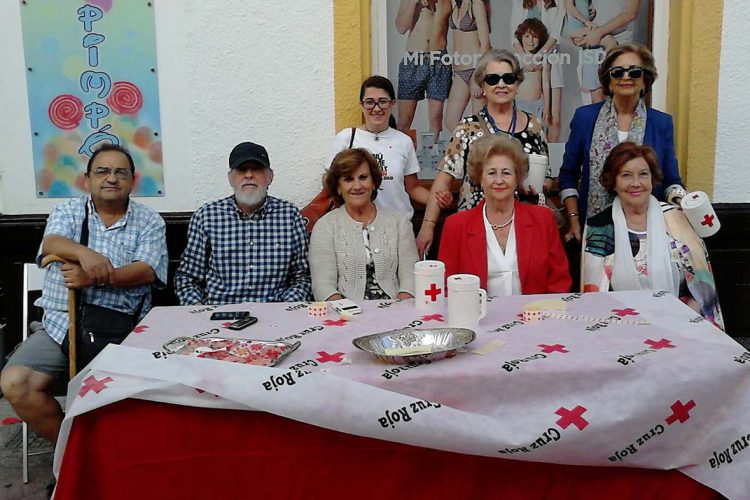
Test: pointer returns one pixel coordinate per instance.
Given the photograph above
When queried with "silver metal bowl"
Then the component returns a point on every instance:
(411, 345)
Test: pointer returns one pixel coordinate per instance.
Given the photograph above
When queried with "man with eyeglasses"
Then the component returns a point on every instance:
(126, 254)
(248, 247)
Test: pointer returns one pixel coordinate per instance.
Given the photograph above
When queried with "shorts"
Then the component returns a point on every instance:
(40, 353)
(556, 70)
(590, 68)
(423, 73)
(440, 79)
(534, 107)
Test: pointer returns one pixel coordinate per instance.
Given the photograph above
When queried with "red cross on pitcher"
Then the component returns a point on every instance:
(429, 285)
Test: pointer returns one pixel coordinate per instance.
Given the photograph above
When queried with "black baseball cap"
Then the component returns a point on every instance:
(248, 151)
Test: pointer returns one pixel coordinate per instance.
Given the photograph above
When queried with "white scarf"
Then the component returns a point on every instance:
(624, 275)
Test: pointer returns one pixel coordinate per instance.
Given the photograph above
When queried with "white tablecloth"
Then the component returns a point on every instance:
(673, 393)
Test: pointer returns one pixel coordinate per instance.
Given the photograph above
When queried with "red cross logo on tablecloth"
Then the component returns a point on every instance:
(552, 348)
(680, 412)
(11, 421)
(628, 311)
(324, 357)
(573, 416)
(92, 384)
(433, 292)
(708, 220)
(337, 322)
(432, 317)
(140, 328)
(661, 344)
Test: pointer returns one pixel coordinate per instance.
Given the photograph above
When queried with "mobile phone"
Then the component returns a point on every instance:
(243, 323)
(225, 315)
(345, 306)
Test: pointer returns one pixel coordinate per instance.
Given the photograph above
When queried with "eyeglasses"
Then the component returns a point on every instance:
(634, 72)
(120, 173)
(494, 78)
(382, 103)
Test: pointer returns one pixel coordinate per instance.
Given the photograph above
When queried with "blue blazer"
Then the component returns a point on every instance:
(659, 135)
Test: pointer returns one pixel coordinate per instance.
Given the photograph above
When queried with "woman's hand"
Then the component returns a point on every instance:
(444, 198)
(404, 296)
(574, 231)
(424, 238)
(476, 90)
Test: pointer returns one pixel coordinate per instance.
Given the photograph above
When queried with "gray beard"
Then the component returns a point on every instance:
(252, 200)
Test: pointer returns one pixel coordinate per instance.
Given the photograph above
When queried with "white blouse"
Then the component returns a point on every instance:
(502, 267)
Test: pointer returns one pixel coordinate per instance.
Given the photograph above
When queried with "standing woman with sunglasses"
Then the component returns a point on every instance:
(626, 75)
(393, 150)
(499, 74)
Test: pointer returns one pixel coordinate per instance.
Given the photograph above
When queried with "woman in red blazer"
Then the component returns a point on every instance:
(513, 247)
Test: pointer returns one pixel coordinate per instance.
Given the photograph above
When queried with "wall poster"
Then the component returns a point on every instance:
(91, 78)
(433, 46)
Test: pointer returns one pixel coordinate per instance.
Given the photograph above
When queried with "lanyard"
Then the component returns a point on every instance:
(511, 130)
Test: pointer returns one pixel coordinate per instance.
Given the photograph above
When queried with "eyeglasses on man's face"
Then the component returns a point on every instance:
(382, 103)
(618, 72)
(104, 172)
(493, 79)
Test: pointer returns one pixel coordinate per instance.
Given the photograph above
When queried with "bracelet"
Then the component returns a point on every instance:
(429, 220)
(572, 214)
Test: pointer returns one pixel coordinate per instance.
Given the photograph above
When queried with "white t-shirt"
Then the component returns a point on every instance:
(394, 152)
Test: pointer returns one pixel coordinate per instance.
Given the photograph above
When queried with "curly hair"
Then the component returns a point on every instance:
(497, 145)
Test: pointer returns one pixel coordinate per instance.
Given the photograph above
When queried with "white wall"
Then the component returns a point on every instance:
(732, 173)
(229, 71)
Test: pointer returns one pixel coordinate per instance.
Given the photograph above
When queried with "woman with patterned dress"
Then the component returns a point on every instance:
(638, 243)
(499, 75)
(360, 250)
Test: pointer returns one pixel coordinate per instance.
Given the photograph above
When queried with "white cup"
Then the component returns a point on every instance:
(429, 285)
(537, 172)
(467, 303)
(700, 213)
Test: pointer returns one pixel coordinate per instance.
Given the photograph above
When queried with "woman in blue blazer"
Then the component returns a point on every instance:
(626, 74)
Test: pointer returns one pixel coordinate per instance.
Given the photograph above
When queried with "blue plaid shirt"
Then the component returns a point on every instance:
(138, 236)
(232, 257)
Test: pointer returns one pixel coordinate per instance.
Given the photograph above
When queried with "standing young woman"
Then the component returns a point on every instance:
(469, 23)
(392, 149)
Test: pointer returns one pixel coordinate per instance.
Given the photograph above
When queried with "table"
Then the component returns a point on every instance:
(582, 389)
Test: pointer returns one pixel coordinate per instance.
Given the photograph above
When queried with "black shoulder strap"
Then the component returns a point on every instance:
(85, 225)
(351, 141)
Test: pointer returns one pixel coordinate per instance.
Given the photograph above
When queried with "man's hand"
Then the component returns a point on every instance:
(97, 267)
(404, 296)
(75, 277)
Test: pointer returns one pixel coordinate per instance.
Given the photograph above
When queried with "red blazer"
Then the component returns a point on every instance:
(542, 264)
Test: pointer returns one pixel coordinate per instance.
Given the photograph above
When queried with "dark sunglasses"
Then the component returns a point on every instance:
(494, 78)
(634, 72)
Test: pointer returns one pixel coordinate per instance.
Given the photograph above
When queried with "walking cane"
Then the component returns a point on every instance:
(71, 315)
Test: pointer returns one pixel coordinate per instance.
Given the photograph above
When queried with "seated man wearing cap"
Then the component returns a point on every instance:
(246, 247)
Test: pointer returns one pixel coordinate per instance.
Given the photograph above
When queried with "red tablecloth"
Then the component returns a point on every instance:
(136, 449)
